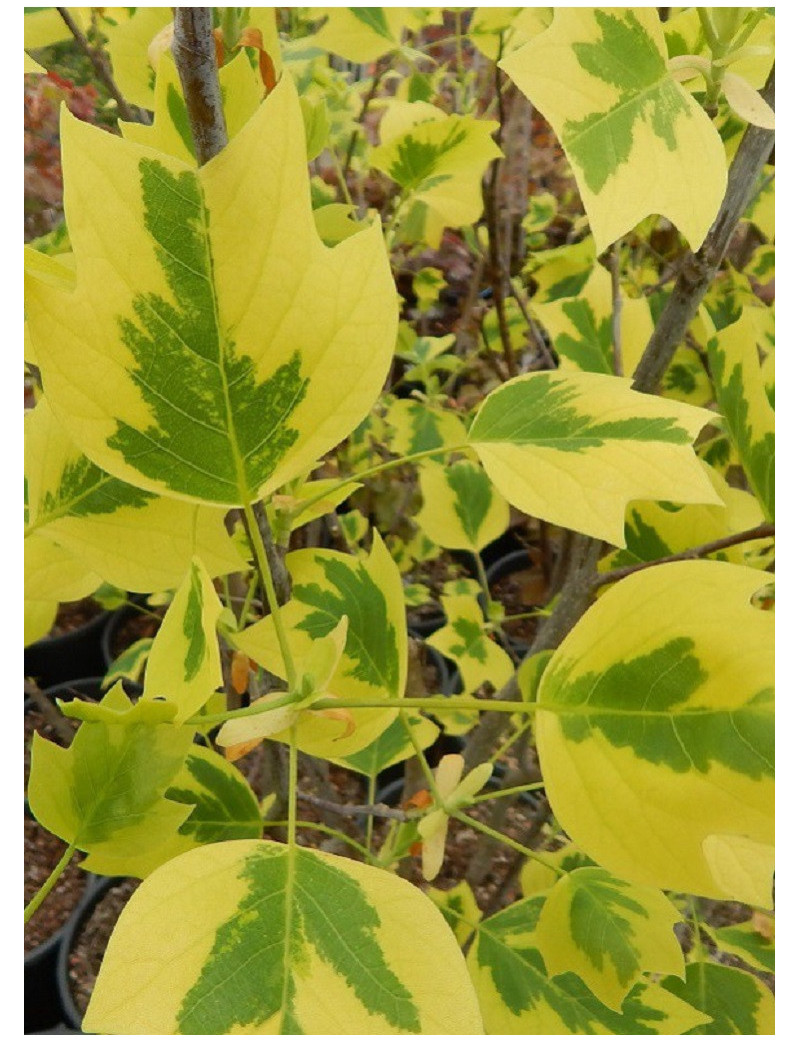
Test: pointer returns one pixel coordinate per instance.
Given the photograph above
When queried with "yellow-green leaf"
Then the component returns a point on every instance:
(199, 378)
(315, 944)
(170, 131)
(465, 641)
(634, 137)
(418, 426)
(327, 586)
(748, 943)
(460, 508)
(459, 909)
(736, 1002)
(518, 998)
(105, 793)
(184, 666)
(665, 690)
(129, 39)
(392, 746)
(44, 26)
(133, 538)
(223, 808)
(439, 163)
(361, 34)
(608, 932)
(53, 575)
(743, 401)
(573, 448)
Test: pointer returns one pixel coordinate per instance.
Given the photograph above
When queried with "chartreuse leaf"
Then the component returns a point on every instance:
(517, 996)
(580, 327)
(362, 34)
(327, 586)
(438, 163)
(170, 131)
(129, 47)
(608, 932)
(657, 529)
(44, 26)
(574, 447)
(418, 426)
(453, 793)
(460, 508)
(540, 874)
(392, 746)
(634, 137)
(194, 381)
(465, 641)
(254, 937)
(739, 864)
(184, 666)
(736, 1002)
(136, 540)
(105, 793)
(501, 30)
(129, 664)
(743, 401)
(747, 943)
(223, 808)
(53, 575)
(665, 689)
(459, 909)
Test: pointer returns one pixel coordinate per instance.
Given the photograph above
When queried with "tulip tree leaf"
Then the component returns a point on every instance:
(327, 586)
(750, 945)
(743, 401)
(136, 540)
(736, 1002)
(105, 792)
(665, 688)
(517, 996)
(439, 164)
(218, 320)
(573, 448)
(419, 427)
(461, 509)
(260, 938)
(392, 746)
(53, 575)
(635, 137)
(361, 34)
(184, 666)
(223, 808)
(608, 932)
(170, 131)
(128, 47)
(657, 529)
(464, 640)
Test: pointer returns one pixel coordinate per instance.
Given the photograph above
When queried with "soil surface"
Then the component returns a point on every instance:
(74, 615)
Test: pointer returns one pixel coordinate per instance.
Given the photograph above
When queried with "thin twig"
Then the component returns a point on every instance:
(537, 338)
(130, 113)
(380, 72)
(751, 535)
(381, 811)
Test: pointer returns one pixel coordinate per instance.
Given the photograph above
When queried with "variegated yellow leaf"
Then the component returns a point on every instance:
(573, 448)
(418, 426)
(315, 944)
(184, 665)
(361, 34)
(438, 163)
(460, 508)
(129, 40)
(608, 932)
(518, 998)
(736, 1002)
(465, 641)
(743, 401)
(170, 132)
(53, 575)
(665, 690)
(132, 538)
(327, 586)
(194, 381)
(635, 138)
(223, 808)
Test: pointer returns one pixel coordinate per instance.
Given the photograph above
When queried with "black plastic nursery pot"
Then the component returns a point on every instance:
(76, 967)
(57, 659)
